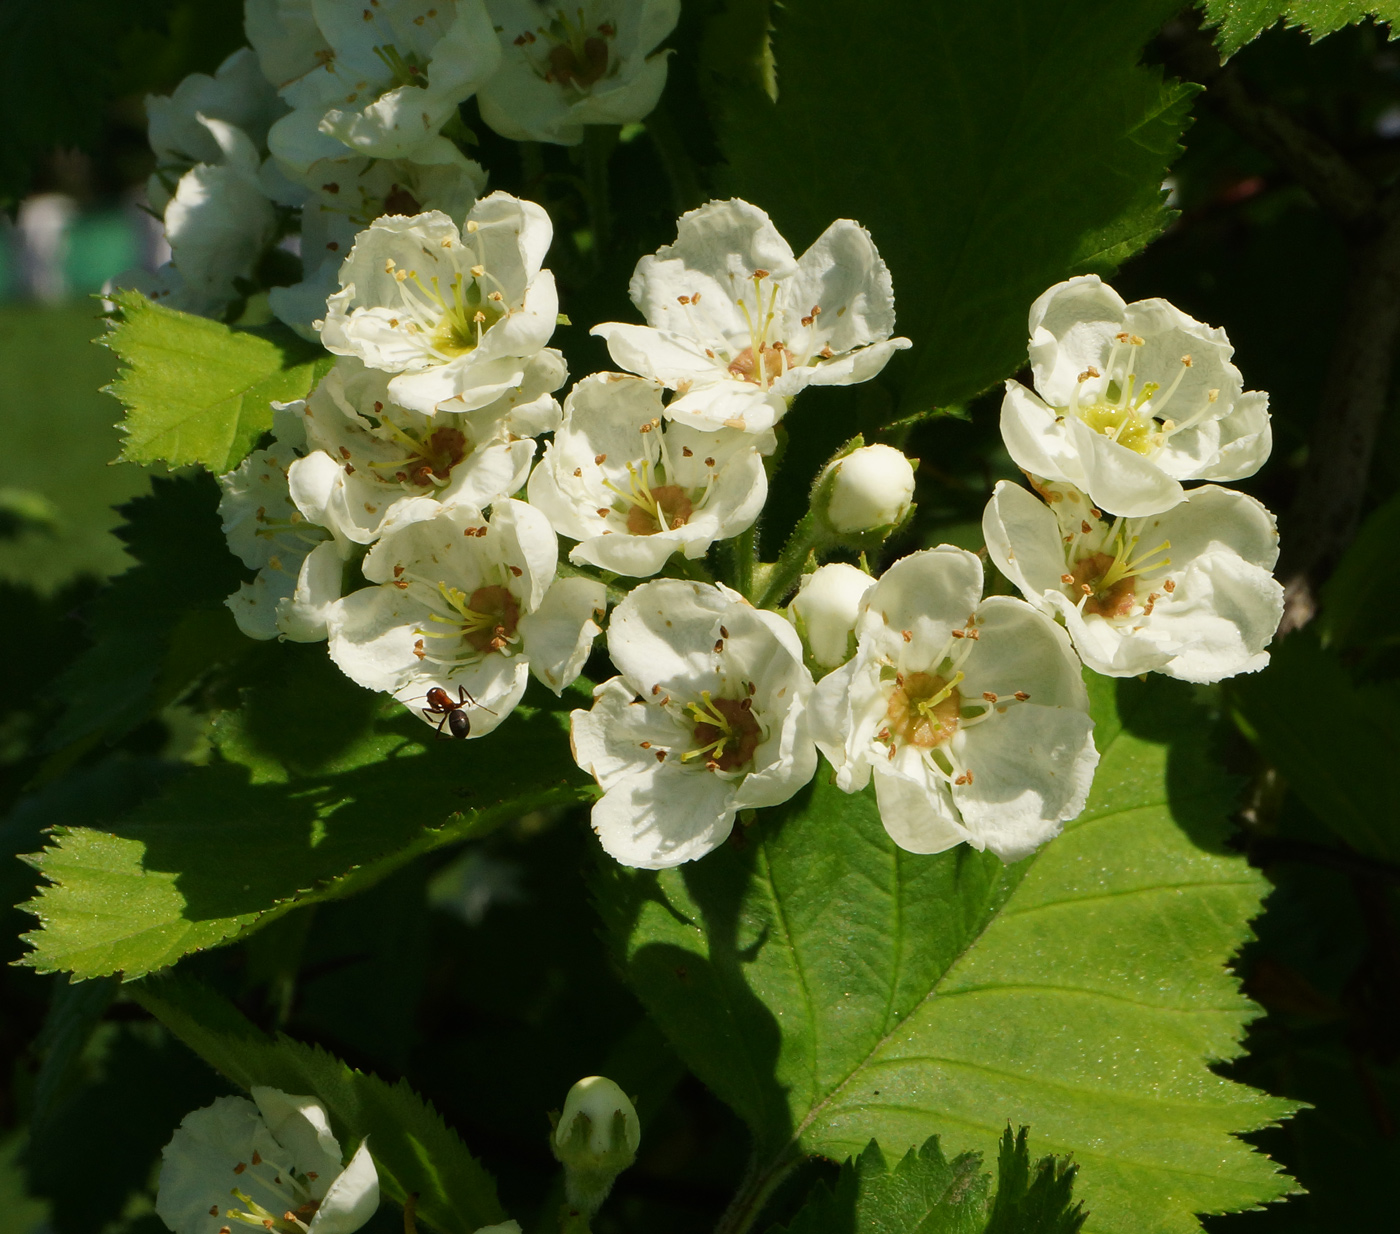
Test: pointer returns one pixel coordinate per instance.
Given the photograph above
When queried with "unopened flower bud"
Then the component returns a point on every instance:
(595, 1139)
(872, 488)
(825, 610)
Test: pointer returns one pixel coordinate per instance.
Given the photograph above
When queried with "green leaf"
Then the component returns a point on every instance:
(1242, 21)
(162, 625)
(414, 1151)
(923, 1194)
(1335, 766)
(313, 798)
(197, 391)
(1039, 1205)
(1361, 601)
(831, 987)
(981, 189)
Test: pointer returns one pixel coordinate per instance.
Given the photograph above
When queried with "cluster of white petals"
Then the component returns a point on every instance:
(456, 315)
(1130, 400)
(567, 65)
(738, 326)
(269, 1163)
(633, 488)
(707, 717)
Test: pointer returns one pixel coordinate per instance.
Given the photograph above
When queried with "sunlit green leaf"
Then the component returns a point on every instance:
(1241, 21)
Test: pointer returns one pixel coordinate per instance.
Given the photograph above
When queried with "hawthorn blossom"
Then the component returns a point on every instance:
(368, 456)
(298, 563)
(969, 713)
(707, 717)
(346, 196)
(1187, 593)
(826, 609)
(737, 326)
(379, 79)
(271, 1162)
(219, 223)
(566, 65)
(467, 605)
(1130, 400)
(871, 488)
(236, 95)
(633, 490)
(457, 315)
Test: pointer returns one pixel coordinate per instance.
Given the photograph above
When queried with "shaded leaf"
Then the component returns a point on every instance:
(198, 391)
(1042, 1204)
(831, 987)
(981, 188)
(1361, 601)
(414, 1151)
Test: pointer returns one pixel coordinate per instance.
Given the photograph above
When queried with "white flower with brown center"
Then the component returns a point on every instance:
(380, 78)
(1130, 400)
(468, 607)
(737, 326)
(707, 718)
(271, 1163)
(298, 561)
(567, 65)
(456, 315)
(1188, 593)
(970, 714)
(346, 196)
(633, 489)
(368, 455)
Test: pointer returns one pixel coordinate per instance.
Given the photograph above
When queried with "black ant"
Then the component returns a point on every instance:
(453, 714)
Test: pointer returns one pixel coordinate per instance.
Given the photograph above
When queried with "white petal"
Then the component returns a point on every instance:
(920, 818)
(654, 820)
(663, 633)
(301, 616)
(1021, 649)
(608, 740)
(926, 595)
(1072, 327)
(1023, 539)
(196, 1171)
(1037, 438)
(844, 276)
(352, 1199)
(1119, 480)
(1223, 614)
(559, 634)
(1245, 439)
(301, 1126)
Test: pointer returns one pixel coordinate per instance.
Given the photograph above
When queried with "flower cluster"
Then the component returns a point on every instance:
(339, 114)
(407, 514)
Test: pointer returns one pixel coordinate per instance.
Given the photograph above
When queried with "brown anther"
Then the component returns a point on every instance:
(1169, 586)
(578, 471)
(478, 271)
(989, 696)
(645, 428)
(1136, 340)
(661, 756)
(760, 274)
(378, 406)
(1091, 371)
(478, 316)
(1096, 512)
(1021, 696)
(826, 353)
(719, 645)
(664, 701)
(907, 635)
(893, 749)
(603, 512)
(240, 1167)
(1086, 589)
(600, 459)
(1151, 604)
(419, 650)
(213, 1210)
(687, 452)
(344, 452)
(962, 779)
(656, 689)
(746, 704)
(1066, 579)
(753, 689)
(517, 571)
(709, 462)
(683, 299)
(1186, 360)
(646, 745)
(480, 531)
(959, 633)
(333, 245)
(1084, 528)
(709, 353)
(1122, 336)
(695, 298)
(723, 633)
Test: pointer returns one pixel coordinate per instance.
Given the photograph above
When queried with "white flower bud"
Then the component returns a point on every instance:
(596, 1138)
(873, 487)
(825, 610)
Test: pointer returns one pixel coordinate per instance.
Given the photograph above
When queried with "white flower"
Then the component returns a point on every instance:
(737, 326)
(972, 716)
(826, 608)
(565, 65)
(218, 223)
(380, 78)
(1133, 399)
(632, 489)
(707, 718)
(457, 315)
(347, 196)
(299, 564)
(271, 1162)
(237, 94)
(466, 606)
(369, 456)
(1187, 593)
(872, 487)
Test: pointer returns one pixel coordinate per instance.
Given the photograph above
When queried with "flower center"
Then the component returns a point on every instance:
(665, 508)
(577, 56)
(404, 70)
(283, 1201)
(429, 460)
(726, 732)
(924, 709)
(450, 323)
(1106, 583)
(764, 366)
(1123, 411)
(579, 67)
(485, 621)
(400, 201)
